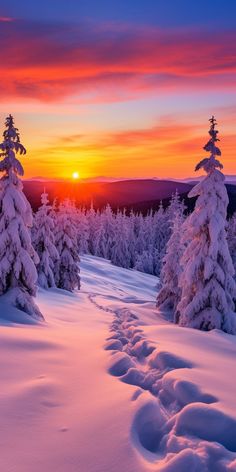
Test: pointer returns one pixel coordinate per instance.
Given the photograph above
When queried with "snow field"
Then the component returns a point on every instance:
(107, 384)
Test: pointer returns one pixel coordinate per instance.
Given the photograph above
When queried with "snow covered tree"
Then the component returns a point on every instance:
(170, 292)
(108, 221)
(104, 234)
(44, 243)
(99, 236)
(82, 232)
(231, 238)
(144, 262)
(93, 218)
(140, 240)
(120, 255)
(207, 284)
(161, 234)
(131, 224)
(18, 274)
(67, 267)
(176, 206)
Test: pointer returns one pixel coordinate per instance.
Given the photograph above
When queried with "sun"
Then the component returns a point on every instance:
(75, 175)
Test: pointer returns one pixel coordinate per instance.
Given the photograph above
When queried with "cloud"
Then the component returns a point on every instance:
(167, 140)
(5, 19)
(50, 61)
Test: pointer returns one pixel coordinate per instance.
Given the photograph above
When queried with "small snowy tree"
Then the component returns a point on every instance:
(140, 240)
(82, 231)
(18, 274)
(108, 225)
(176, 206)
(132, 228)
(44, 243)
(93, 223)
(120, 255)
(161, 231)
(207, 284)
(170, 293)
(67, 267)
(103, 231)
(144, 262)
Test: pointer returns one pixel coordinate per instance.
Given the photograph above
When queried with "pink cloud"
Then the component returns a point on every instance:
(49, 62)
(5, 19)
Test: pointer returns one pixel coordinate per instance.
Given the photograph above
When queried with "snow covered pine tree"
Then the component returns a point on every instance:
(18, 274)
(67, 267)
(208, 287)
(44, 243)
(169, 295)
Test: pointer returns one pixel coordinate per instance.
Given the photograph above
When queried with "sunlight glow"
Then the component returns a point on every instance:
(75, 175)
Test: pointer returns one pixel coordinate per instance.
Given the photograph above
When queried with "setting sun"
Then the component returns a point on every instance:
(75, 175)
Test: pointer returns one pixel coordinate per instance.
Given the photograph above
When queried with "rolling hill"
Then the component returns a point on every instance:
(141, 195)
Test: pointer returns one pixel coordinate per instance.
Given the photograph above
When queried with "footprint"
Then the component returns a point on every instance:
(113, 345)
(165, 360)
(148, 426)
(120, 364)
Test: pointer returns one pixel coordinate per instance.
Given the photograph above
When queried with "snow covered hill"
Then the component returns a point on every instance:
(107, 384)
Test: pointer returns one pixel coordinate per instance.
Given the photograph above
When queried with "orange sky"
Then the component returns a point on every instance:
(167, 149)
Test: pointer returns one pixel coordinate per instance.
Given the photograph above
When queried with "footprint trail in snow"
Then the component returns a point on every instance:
(169, 427)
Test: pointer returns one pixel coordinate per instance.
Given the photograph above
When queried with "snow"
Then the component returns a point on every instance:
(108, 384)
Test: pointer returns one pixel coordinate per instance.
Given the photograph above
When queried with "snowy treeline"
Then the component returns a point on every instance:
(129, 241)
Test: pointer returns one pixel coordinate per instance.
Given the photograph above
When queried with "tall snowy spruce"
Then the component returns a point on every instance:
(18, 274)
(207, 284)
(67, 267)
(44, 243)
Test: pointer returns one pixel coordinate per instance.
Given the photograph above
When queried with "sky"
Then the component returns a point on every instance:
(118, 88)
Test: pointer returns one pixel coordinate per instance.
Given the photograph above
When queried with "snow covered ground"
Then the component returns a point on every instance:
(108, 385)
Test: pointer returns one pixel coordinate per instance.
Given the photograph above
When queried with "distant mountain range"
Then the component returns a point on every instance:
(229, 179)
(140, 195)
